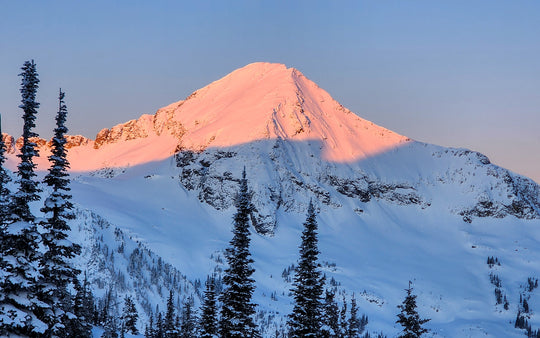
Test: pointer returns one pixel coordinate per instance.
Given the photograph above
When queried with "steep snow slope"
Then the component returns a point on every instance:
(391, 209)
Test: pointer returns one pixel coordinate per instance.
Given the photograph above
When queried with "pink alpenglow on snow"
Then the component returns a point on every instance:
(257, 102)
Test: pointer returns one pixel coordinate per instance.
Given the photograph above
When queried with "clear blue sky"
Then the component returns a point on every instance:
(454, 73)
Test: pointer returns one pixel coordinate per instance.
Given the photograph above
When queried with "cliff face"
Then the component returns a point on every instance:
(130, 130)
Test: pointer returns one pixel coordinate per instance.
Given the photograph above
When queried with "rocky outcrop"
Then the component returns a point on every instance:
(9, 141)
(40, 142)
(164, 120)
(130, 130)
(75, 141)
(71, 141)
(366, 189)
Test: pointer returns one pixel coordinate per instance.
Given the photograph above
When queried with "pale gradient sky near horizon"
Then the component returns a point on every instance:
(454, 73)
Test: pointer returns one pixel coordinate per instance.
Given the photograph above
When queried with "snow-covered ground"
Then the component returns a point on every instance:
(373, 253)
(391, 210)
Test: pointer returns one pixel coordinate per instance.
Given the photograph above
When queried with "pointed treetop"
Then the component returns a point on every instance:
(311, 208)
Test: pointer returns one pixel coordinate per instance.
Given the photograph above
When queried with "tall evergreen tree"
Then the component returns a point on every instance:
(159, 330)
(409, 317)
(5, 194)
(55, 266)
(80, 324)
(331, 316)
(28, 186)
(237, 309)
(149, 331)
(170, 329)
(354, 324)
(130, 316)
(306, 319)
(343, 324)
(5, 198)
(208, 327)
(19, 286)
(188, 328)
(111, 328)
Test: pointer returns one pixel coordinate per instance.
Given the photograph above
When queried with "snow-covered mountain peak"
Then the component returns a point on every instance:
(261, 101)
(269, 101)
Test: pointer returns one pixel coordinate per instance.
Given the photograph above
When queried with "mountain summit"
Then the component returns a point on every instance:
(269, 101)
(260, 101)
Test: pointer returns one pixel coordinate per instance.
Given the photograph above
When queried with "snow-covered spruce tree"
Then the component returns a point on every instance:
(207, 324)
(237, 310)
(130, 316)
(355, 325)
(306, 320)
(55, 266)
(169, 325)
(331, 316)
(83, 307)
(188, 328)
(5, 194)
(409, 317)
(149, 330)
(5, 198)
(343, 324)
(28, 186)
(159, 330)
(110, 328)
(20, 284)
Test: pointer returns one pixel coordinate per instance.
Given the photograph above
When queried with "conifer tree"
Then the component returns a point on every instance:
(5, 194)
(343, 324)
(209, 311)
(159, 331)
(87, 311)
(237, 309)
(409, 317)
(80, 324)
(331, 315)
(111, 328)
(354, 324)
(188, 328)
(106, 309)
(20, 286)
(306, 318)
(28, 186)
(170, 329)
(130, 316)
(5, 197)
(55, 266)
(149, 331)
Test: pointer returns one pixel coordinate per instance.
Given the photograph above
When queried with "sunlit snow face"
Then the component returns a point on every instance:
(261, 101)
